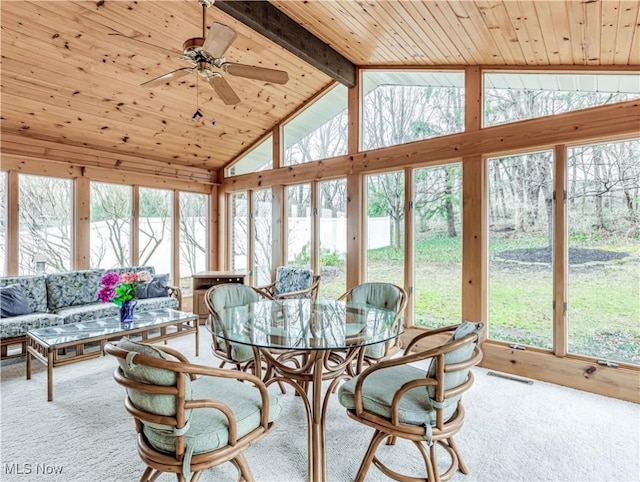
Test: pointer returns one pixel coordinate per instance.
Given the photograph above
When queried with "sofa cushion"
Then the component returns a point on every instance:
(19, 325)
(73, 288)
(34, 289)
(13, 302)
(135, 269)
(150, 304)
(90, 311)
(156, 288)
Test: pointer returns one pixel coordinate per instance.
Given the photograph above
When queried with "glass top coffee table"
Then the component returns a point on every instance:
(64, 344)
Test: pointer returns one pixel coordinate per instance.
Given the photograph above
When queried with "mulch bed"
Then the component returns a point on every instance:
(577, 256)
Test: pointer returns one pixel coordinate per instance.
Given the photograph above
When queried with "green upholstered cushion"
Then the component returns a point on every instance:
(379, 389)
(229, 296)
(157, 404)
(208, 428)
(456, 378)
(380, 295)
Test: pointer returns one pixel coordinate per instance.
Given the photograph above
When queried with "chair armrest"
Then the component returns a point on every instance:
(176, 292)
(268, 290)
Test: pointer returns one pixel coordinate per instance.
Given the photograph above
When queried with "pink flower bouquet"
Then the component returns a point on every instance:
(121, 288)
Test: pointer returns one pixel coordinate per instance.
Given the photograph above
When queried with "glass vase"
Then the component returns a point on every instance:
(126, 311)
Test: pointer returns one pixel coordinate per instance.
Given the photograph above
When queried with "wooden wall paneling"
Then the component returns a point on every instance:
(354, 107)
(12, 240)
(135, 225)
(571, 371)
(356, 236)
(409, 244)
(27, 165)
(276, 142)
(213, 239)
(81, 242)
(560, 252)
(315, 228)
(278, 257)
(38, 150)
(614, 121)
(175, 239)
(224, 228)
(474, 239)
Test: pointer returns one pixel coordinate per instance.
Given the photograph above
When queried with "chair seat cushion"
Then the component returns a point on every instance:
(379, 389)
(208, 428)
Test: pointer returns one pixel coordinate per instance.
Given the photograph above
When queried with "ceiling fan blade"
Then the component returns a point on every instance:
(257, 73)
(224, 90)
(149, 45)
(163, 79)
(219, 39)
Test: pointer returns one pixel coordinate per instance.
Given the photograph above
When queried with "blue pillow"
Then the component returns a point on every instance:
(156, 288)
(13, 302)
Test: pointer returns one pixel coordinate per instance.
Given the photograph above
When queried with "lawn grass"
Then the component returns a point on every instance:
(603, 299)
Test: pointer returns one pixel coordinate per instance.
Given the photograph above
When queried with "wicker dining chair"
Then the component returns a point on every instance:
(190, 417)
(293, 282)
(400, 400)
(380, 295)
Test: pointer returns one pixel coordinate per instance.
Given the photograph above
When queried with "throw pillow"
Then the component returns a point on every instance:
(156, 288)
(13, 302)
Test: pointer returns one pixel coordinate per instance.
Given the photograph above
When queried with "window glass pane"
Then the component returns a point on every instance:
(438, 245)
(603, 311)
(513, 97)
(257, 159)
(155, 237)
(110, 225)
(45, 212)
(193, 238)
(333, 237)
(405, 106)
(298, 225)
(385, 227)
(319, 131)
(520, 274)
(3, 223)
(262, 236)
(240, 232)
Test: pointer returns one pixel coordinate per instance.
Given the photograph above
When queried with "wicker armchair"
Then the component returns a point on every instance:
(292, 282)
(424, 407)
(190, 417)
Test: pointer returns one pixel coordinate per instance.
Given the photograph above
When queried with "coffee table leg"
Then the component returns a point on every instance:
(28, 364)
(50, 375)
(197, 338)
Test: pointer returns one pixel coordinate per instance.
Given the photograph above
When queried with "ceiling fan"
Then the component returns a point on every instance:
(206, 54)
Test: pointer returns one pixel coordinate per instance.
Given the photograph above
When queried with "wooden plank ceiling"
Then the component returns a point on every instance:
(67, 82)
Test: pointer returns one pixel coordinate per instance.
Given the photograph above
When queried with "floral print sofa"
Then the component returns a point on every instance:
(63, 298)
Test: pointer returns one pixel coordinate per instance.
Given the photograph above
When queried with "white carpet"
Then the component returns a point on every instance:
(513, 432)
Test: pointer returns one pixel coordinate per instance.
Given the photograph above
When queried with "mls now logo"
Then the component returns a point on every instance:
(28, 469)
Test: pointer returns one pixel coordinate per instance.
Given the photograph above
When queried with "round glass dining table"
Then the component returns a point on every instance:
(305, 342)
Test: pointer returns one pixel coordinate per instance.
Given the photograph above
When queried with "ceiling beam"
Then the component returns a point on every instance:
(272, 23)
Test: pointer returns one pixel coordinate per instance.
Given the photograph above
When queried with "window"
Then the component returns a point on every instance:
(405, 106)
(437, 267)
(298, 231)
(262, 236)
(110, 237)
(156, 229)
(520, 253)
(45, 211)
(514, 97)
(333, 237)
(193, 238)
(257, 159)
(385, 227)
(319, 131)
(603, 188)
(238, 217)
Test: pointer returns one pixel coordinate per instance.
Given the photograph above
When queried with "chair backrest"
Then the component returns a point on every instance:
(451, 365)
(381, 295)
(156, 389)
(292, 278)
(229, 295)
